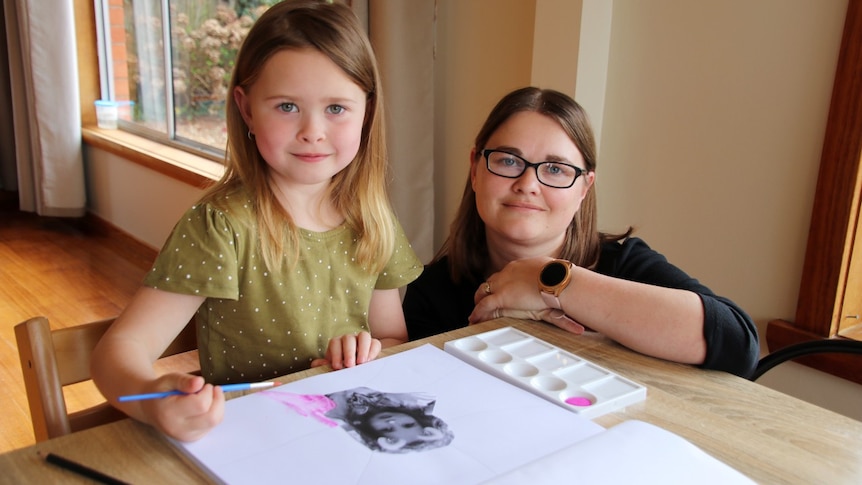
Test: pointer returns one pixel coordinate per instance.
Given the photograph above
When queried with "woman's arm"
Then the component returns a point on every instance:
(654, 320)
(635, 296)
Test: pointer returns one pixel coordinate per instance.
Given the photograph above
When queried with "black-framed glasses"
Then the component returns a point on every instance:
(558, 175)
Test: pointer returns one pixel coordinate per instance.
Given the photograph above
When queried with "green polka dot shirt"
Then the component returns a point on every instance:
(253, 324)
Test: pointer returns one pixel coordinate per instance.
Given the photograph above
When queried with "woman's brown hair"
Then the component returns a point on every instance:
(466, 246)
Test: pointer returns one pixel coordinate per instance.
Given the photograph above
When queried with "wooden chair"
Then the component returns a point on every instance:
(53, 359)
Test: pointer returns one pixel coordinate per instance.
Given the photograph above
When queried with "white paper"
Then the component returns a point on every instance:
(497, 427)
(630, 452)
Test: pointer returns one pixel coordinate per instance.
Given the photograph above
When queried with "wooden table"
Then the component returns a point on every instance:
(767, 435)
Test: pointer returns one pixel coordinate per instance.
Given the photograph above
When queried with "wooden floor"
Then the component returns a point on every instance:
(71, 272)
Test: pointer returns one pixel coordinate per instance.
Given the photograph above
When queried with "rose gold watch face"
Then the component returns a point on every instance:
(553, 277)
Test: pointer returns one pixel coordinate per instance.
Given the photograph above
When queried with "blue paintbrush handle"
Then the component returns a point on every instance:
(226, 388)
(152, 395)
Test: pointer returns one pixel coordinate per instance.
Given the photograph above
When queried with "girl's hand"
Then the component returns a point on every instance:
(350, 350)
(185, 417)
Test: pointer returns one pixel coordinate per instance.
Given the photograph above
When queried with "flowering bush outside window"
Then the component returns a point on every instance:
(168, 63)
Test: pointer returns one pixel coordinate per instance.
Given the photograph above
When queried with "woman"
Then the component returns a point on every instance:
(524, 244)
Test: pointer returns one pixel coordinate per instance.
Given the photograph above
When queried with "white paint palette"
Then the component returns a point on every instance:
(546, 370)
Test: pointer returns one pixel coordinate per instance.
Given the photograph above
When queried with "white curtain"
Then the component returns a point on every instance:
(403, 34)
(151, 62)
(42, 109)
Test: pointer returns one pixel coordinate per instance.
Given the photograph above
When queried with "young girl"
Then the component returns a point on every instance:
(294, 258)
(386, 422)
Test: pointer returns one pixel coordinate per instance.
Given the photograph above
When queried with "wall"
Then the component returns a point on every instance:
(141, 202)
(713, 128)
(711, 118)
(484, 49)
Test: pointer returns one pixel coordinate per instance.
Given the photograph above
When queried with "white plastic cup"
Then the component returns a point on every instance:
(107, 113)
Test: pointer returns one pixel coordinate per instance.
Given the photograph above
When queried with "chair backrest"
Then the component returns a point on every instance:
(784, 354)
(51, 360)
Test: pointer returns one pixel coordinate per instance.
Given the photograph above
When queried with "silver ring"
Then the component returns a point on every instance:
(487, 288)
(496, 313)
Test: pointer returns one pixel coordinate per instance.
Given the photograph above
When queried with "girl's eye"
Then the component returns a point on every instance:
(335, 109)
(287, 107)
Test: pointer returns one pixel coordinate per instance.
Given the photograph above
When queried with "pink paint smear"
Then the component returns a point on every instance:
(310, 405)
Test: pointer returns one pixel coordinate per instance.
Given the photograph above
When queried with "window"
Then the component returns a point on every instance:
(167, 63)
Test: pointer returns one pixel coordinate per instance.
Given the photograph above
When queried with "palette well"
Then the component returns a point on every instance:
(546, 370)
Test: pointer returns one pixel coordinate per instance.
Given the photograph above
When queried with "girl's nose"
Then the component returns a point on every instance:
(311, 129)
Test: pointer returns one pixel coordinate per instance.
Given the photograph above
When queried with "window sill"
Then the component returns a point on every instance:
(172, 162)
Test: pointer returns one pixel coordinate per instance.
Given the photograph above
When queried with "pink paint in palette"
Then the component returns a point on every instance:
(546, 370)
(578, 401)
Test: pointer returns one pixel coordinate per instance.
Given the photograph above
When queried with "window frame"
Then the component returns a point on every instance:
(833, 234)
(111, 51)
(182, 165)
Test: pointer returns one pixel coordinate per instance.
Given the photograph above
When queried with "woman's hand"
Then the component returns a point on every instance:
(514, 292)
(350, 350)
(185, 417)
(515, 287)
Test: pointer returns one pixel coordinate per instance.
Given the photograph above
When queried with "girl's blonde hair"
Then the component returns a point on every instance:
(359, 191)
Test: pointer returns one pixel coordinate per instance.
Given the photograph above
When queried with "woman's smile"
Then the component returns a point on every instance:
(522, 205)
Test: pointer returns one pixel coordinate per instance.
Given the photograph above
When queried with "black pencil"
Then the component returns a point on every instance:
(80, 469)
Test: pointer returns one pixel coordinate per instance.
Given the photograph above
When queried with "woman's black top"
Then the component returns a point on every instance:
(434, 303)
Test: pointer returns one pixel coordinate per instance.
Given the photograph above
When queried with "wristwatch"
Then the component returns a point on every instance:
(553, 279)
